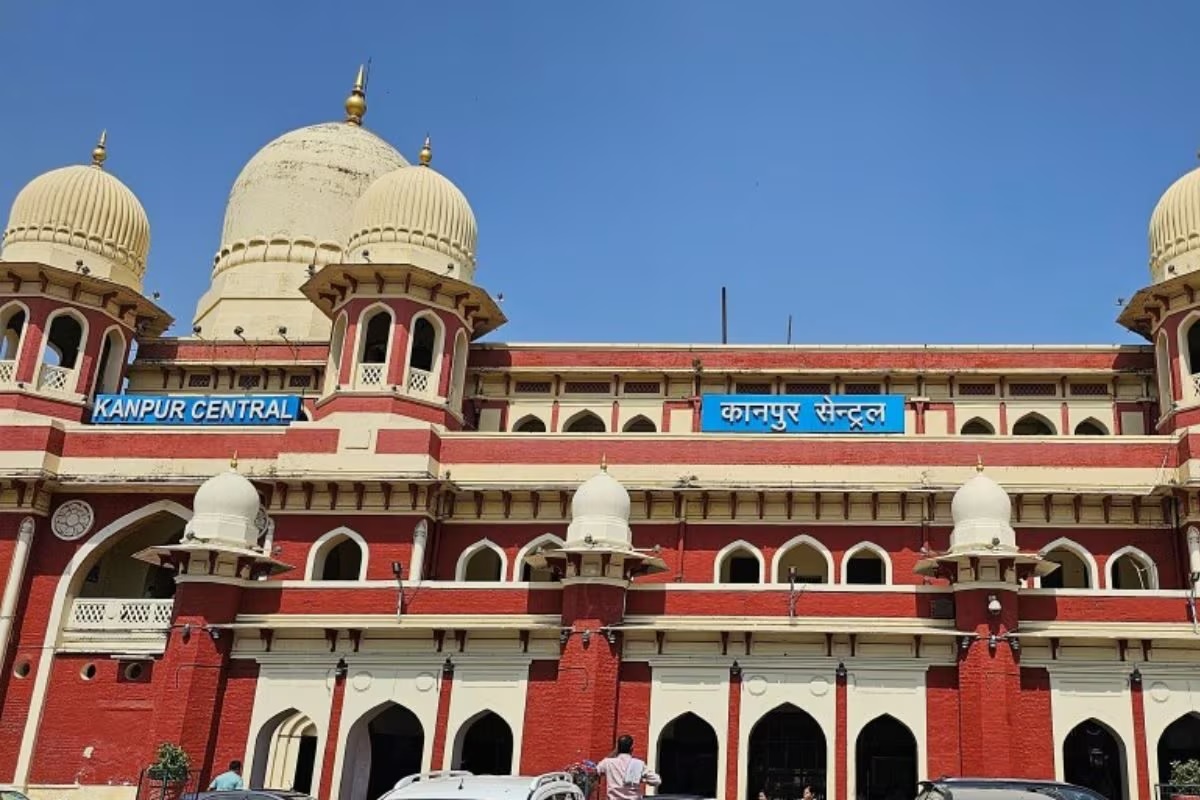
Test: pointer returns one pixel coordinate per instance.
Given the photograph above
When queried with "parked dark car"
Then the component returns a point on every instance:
(948, 788)
(248, 794)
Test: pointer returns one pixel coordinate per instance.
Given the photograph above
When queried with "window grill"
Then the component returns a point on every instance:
(976, 389)
(862, 388)
(198, 381)
(754, 388)
(249, 381)
(807, 388)
(587, 387)
(299, 381)
(1089, 389)
(1032, 389)
(532, 387)
(643, 387)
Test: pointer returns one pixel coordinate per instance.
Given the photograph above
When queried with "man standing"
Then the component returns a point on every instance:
(624, 774)
(232, 779)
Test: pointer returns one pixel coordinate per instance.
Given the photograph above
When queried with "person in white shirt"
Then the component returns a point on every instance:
(624, 774)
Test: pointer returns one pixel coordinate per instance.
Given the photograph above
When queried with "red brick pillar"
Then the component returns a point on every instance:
(840, 743)
(191, 675)
(588, 669)
(733, 738)
(989, 681)
(445, 691)
(329, 759)
(1139, 737)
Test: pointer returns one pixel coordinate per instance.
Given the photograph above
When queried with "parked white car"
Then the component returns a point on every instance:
(460, 785)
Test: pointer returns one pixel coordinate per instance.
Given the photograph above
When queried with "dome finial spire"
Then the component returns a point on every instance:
(604, 462)
(233, 461)
(100, 151)
(979, 463)
(426, 154)
(356, 103)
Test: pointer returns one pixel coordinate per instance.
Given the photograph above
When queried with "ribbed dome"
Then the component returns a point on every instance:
(80, 213)
(1175, 229)
(415, 215)
(294, 199)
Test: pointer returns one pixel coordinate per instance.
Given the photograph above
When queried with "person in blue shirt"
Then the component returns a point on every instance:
(228, 780)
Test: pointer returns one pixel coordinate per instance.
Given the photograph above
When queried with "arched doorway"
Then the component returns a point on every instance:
(687, 757)
(285, 753)
(1093, 757)
(484, 745)
(381, 748)
(787, 752)
(885, 756)
(1179, 742)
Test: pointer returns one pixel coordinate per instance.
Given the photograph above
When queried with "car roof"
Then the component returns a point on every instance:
(460, 785)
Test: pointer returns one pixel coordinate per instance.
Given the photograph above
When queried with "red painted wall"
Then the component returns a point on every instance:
(942, 719)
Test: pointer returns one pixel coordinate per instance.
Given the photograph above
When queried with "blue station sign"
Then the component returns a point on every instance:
(802, 413)
(191, 409)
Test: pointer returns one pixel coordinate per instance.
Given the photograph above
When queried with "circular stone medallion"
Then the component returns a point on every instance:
(72, 520)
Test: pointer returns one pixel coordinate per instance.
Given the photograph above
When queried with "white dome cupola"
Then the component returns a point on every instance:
(600, 510)
(290, 208)
(225, 512)
(982, 513)
(1175, 230)
(415, 216)
(80, 218)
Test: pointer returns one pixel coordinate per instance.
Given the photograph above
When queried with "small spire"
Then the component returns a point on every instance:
(100, 151)
(979, 463)
(426, 154)
(604, 462)
(356, 103)
(233, 461)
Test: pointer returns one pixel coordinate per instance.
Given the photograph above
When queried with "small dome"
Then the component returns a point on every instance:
(1175, 229)
(600, 509)
(225, 510)
(293, 200)
(417, 216)
(80, 213)
(982, 512)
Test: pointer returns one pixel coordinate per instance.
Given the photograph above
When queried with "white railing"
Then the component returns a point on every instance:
(421, 382)
(56, 379)
(120, 615)
(8, 371)
(1196, 385)
(371, 374)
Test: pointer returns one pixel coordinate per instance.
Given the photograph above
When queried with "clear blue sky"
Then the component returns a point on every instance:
(886, 172)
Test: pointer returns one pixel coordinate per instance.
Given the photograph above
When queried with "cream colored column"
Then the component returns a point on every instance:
(1193, 547)
(16, 577)
(416, 570)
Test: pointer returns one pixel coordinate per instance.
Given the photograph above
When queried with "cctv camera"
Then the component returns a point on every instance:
(196, 329)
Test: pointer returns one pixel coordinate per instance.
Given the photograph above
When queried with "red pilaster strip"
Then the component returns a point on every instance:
(840, 757)
(443, 719)
(732, 749)
(331, 738)
(1139, 740)
(1065, 428)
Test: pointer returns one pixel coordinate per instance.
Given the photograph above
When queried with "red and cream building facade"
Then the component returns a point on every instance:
(498, 557)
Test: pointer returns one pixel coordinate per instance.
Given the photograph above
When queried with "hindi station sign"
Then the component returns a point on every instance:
(802, 413)
(199, 410)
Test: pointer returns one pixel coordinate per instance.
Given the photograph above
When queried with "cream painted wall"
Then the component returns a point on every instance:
(649, 408)
(283, 688)
(1169, 692)
(1080, 693)
(681, 420)
(872, 691)
(704, 691)
(498, 685)
(1099, 410)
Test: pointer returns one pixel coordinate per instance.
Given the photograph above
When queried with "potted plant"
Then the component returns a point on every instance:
(1185, 779)
(169, 770)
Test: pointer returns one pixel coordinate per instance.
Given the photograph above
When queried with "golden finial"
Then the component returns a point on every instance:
(603, 462)
(356, 103)
(233, 461)
(100, 151)
(979, 463)
(426, 152)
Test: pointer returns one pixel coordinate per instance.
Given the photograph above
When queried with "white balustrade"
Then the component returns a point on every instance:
(371, 374)
(421, 383)
(8, 371)
(105, 614)
(56, 379)
(1196, 385)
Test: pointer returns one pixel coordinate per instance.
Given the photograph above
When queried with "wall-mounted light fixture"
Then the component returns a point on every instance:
(587, 638)
(840, 672)
(397, 570)
(340, 669)
(735, 670)
(564, 636)
(448, 668)
(610, 635)
(964, 643)
(1135, 677)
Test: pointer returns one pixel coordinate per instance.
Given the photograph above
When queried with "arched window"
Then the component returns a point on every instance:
(1094, 756)
(484, 745)
(527, 573)
(1131, 569)
(1076, 566)
(866, 564)
(340, 555)
(333, 364)
(482, 561)
(1162, 358)
(584, 422)
(688, 755)
(640, 424)
(459, 372)
(1191, 379)
(60, 357)
(1180, 741)
(806, 558)
(424, 355)
(978, 427)
(1091, 427)
(529, 424)
(374, 342)
(739, 562)
(285, 753)
(1033, 425)
(382, 746)
(12, 330)
(112, 363)
(885, 754)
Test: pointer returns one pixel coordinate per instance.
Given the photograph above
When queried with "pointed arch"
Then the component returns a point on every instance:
(1141, 574)
(388, 723)
(458, 382)
(1188, 343)
(1162, 363)
(1094, 755)
(461, 569)
(793, 743)
(321, 548)
(282, 758)
(1091, 427)
(110, 367)
(14, 333)
(885, 759)
(584, 422)
(687, 756)
(528, 550)
(530, 423)
(333, 363)
(373, 345)
(1033, 424)
(1179, 741)
(64, 341)
(423, 362)
(100, 539)
(876, 552)
(483, 745)
(977, 426)
(640, 424)
(779, 563)
(722, 565)
(1079, 551)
